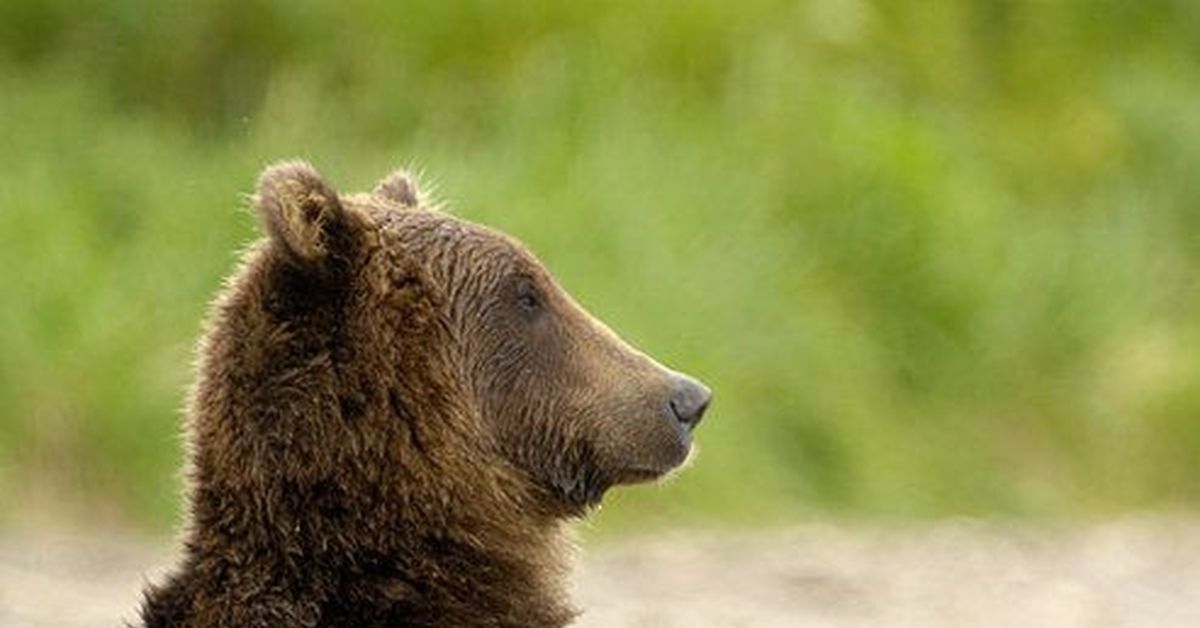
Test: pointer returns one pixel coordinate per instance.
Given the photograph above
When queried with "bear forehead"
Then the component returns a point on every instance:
(434, 233)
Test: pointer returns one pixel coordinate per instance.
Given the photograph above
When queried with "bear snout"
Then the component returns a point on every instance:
(689, 400)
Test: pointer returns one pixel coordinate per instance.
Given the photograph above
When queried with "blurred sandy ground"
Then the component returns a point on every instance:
(1137, 571)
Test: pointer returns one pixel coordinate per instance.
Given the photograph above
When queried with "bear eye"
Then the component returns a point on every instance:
(528, 298)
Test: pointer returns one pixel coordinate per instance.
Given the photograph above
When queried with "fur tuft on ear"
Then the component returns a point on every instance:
(298, 209)
(400, 187)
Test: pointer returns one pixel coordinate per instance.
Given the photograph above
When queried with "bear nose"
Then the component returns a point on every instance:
(689, 400)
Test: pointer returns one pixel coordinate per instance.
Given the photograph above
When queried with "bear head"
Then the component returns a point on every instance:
(438, 319)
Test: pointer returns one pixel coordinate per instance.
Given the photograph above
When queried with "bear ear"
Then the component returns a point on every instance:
(400, 187)
(299, 210)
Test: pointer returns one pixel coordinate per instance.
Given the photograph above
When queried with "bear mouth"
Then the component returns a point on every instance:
(642, 474)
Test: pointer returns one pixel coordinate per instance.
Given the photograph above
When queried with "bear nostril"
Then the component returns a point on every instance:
(689, 401)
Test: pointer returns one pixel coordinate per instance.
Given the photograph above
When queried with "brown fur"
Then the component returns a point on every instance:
(395, 412)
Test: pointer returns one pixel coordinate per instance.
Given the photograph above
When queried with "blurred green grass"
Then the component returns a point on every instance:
(934, 258)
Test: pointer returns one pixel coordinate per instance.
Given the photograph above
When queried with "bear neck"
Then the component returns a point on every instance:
(322, 497)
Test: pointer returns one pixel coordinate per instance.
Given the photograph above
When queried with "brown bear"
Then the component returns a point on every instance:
(396, 412)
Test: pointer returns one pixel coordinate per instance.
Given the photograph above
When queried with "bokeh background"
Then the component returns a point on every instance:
(935, 258)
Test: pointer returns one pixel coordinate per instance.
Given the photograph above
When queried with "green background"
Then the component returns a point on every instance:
(935, 258)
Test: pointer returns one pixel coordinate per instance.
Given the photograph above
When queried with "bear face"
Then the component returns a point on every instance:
(559, 395)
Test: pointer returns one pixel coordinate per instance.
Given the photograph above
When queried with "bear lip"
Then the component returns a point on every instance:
(648, 473)
(639, 475)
